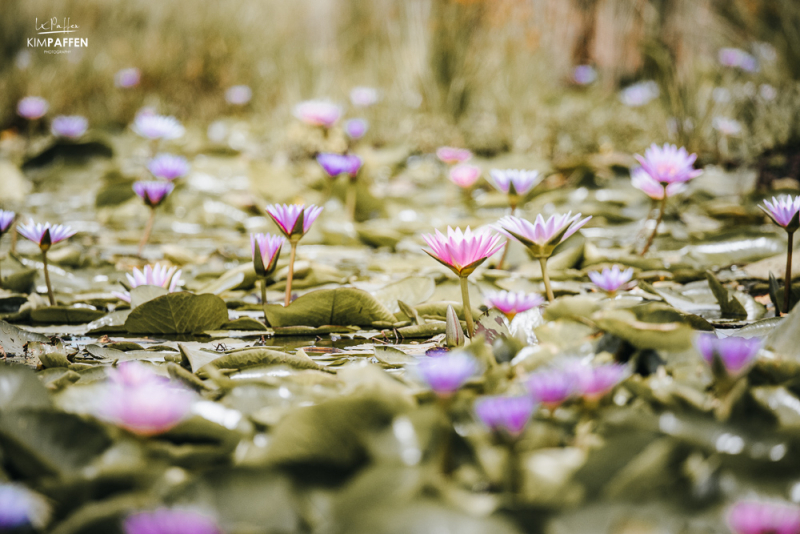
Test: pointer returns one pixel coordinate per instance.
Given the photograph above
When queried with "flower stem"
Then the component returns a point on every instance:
(505, 253)
(47, 280)
(512, 469)
(264, 299)
(787, 290)
(661, 209)
(147, 229)
(351, 199)
(467, 309)
(290, 276)
(546, 278)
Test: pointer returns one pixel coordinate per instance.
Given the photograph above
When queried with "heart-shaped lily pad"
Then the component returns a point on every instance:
(343, 306)
(178, 313)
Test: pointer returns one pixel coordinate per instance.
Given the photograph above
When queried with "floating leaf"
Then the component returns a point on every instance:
(729, 305)
(412, 291)
(178, 313)
(343, 306)
(65, 315)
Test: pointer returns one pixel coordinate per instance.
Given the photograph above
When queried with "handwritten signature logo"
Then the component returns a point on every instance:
(55, 26)
(52, 26)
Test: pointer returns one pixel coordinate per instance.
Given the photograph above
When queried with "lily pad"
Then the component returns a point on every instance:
(343, 306)
(178, 313)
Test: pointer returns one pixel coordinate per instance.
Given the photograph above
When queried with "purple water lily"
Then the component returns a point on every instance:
(294, 221)
(503, 414)
(785, 212)
(32, 107)
(551, 387)
(168, 166)
(515, 182)
(238, 95)
(46, 235)
(6, 220)
(541, 237)
(170, 521)
(511, 303)
(584, 74)
(738, 58)
(154, 127)
(318, 113)
(127, 78)
(446, 374)
(644, 182)
(737, 354)
(593, 382)
(356, 128)
(69, 126)
(159, 275)
(639, 94)
(153, 194)
(764, 517)
(336, 164)
(140, 401)
(21, 508)
(611, 280)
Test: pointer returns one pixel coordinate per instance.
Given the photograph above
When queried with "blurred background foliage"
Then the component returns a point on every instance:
(491, 75)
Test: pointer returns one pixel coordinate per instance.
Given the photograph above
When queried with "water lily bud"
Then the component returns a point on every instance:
(454, 334)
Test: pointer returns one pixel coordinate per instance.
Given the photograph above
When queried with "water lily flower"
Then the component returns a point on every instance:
(170, 521)
(763, 517)
(20, 508)
(584, 74)
(462, 253)
(363, 97)
(639, 94)
(238, 95)
(551, 387)
(610, 280)
(158, 275)
(516, 183)
(644, 182)
(6, 220)
(356, 128)
(142, 402)
(503, 414)
(511, 303)
(736, 354)
(168, 166)
(155, 127)
(666, 165)
(153, 194)
(464, 175)
(738, 58)
(336, 164)
(69, 126)
(126, 78)
(32, 107)
(265, 249)
(46, 235)
(318, 113)
(451, 155)
(294, 221)
(785, 212)
(592, 382)
(446, 374)
(541, 237)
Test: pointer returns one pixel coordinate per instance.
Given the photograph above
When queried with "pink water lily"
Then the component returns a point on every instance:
(592, 382)
(736, 354)
(318, 113)
(502, 414)
(154, 126)
(294, 221)
(611, 280)
(153, 193)
(168, 166)
(143, 403)
(785, 212)
(464, 175)
(336, 164)
(463, 252)
(356, 128)
(668, 164)
(269, 248)
(764, 517)
(515, 182)
(170, 521)
(69, 126)
(551, 387)
(158, 275)
(645, 183)
(451, 155)
(446, 374)
(512, 303)
(32, 107)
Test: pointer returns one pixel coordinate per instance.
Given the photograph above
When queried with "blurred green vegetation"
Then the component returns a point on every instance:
(491, 75)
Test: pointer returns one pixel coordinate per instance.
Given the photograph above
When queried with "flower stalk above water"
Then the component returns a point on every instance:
(667, 165)
(541, 237)
(294, 221)
(785, 212)
(153, 194)
(6, 221)
(46, 235)
(265, 249)
(462, 252)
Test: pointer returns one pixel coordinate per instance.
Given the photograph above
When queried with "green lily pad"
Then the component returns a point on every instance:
(343, 306)
(178, 313)
(65, 315)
